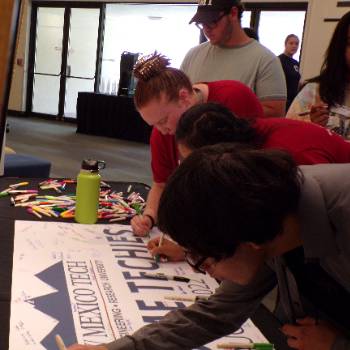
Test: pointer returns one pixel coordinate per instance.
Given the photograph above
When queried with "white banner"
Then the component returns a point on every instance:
(88, 284)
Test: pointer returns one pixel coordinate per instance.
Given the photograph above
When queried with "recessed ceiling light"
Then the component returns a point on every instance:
(155, 18)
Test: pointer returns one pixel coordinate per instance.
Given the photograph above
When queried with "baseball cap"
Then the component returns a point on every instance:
(210, 10)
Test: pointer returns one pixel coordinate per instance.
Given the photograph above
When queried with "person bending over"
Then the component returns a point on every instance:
(211, 123)
(270, 223)
(162, 94)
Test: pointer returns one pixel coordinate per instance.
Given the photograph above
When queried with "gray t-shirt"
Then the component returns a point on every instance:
(324, 214)
(251, 64)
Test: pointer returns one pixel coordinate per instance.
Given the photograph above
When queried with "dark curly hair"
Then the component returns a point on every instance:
(334, 72)
(211, 123)
(226, 194)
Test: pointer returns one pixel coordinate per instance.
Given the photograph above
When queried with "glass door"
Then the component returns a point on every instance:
(64, 50)
(48, 60)
(81, 56)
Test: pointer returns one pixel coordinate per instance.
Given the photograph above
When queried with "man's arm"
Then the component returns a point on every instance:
(274, 108)
(270, 86)
(204, 321)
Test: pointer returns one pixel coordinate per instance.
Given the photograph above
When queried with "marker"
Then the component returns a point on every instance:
(185, 297)
(257, 346)
(19, 184)
(157, 256)
(105, 185)
(31, 211)
(60, 343)
(162, 276)
(303, 114)
(4, 193)
(22, 191)
(41, 210)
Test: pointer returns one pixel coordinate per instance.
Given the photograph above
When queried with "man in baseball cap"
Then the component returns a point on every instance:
(210, 11)
(229, 54)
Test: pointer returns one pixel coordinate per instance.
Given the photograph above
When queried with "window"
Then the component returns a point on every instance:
(144, 28)
(274, 26)
(245, 21)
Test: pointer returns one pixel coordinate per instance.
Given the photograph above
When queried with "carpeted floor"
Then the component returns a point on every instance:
(59, 143)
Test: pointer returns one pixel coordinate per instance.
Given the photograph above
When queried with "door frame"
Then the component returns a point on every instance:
(65, 38)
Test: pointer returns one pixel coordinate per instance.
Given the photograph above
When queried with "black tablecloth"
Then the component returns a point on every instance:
(112, 116)
(263, 319)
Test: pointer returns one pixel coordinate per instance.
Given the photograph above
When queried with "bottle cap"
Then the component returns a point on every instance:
(93, 165)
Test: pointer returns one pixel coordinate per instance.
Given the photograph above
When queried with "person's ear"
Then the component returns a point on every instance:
(184, 96)
(234, 12)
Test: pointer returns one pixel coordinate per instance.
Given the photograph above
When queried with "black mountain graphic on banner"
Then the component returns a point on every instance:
(56, 305)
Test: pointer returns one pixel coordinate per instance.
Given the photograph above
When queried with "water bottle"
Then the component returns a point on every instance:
(88, 191)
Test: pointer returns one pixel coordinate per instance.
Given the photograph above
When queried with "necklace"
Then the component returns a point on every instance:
(199, 95)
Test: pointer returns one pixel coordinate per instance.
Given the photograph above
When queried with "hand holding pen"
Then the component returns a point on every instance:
(319, 114)
(159, 257)
(169, 249)
(142, 224)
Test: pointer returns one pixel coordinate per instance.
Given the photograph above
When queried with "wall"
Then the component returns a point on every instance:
(17, 99)
(318, 34)
(316, 37)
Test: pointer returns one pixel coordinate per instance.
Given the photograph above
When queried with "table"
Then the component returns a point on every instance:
(112, 116)
(8, 215)
(263, 319)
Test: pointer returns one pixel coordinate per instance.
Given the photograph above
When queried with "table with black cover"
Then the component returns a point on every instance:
(111, 116)
(263, 319)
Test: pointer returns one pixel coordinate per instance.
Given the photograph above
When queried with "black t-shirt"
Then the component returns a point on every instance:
(291, 71)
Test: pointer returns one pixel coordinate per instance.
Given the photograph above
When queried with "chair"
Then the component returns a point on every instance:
(20, 165)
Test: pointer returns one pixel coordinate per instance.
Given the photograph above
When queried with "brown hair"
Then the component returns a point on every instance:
(289, 37)
(155, 77)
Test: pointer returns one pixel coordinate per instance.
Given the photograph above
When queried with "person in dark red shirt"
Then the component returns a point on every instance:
(162, 95)
(211, 123)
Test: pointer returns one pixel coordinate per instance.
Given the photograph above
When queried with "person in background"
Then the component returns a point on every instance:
(251, 219)
(231, 54)
(251, 32)
(290, 67)
(331, 89)
(162, 94)
(210, 124)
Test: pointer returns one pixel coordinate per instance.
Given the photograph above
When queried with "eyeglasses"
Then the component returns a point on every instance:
(195, 261)
(212, 24)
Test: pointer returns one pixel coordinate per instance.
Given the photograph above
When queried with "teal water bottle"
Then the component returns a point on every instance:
(88, 191)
